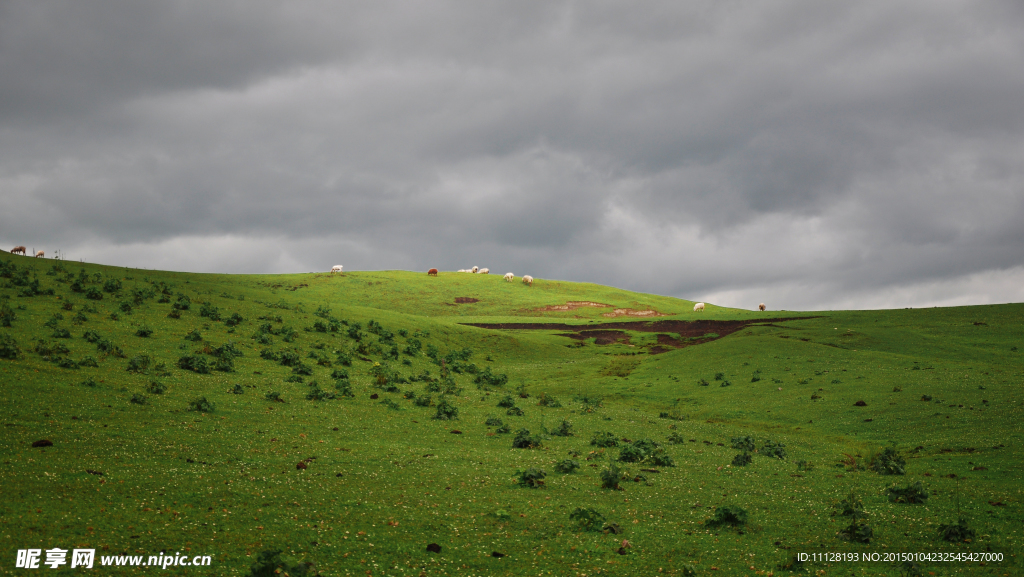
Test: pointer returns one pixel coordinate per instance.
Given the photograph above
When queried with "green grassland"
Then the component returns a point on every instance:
(98, 365)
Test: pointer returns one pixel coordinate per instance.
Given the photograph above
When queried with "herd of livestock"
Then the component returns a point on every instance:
(509, 277)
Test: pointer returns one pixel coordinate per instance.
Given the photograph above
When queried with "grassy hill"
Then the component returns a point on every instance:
(237, 415)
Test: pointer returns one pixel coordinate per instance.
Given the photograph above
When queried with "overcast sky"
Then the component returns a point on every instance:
(805, 154)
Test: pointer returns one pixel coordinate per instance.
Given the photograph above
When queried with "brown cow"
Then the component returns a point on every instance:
(18, 249)
(432, 272)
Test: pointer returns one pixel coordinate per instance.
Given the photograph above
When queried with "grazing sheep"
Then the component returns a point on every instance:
(463, 270)
(336, 268)
(760, 307)
(527, 279)
(475, 269)
(485, 271)
(432, 272)
(18, 249)
(509, 277)
(698, 307)
(40, 253)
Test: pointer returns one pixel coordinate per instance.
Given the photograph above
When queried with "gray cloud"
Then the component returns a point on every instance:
(863, 155)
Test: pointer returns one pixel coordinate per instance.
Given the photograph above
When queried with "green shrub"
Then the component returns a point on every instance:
(857, 532)
(139, 399)
(587, 519)
(125, 307)
(727, 515)
(295, 379)
(725, 384)
(224, 364)
(139, 364)
(423, 401)
(604, 439)
(524, 440)
(745, 444)
(676, 439)
(773, 449)
(889, 462)
(913, 494)
(631, 454)
(93, 293)
(486, 378)
(234, 320)
(112, 285)
(564, 429)
(89, 383)
(507, 402)
(144, 331)
(237, 389)
(514, 412)
(741, 460)
(317, 394)
(156, 388)
(344, 389)
(88, 361)
(660, 458)
(61, 334)
(273, 396)
(302, 369)
(546, 400)
(201, 405)
(567, 466)
(503, 430)
(719, 376)
(851, 505)
(194, 336)
(956, 533)
(703, 382)
(209, 311)
(227, 350)
(194, 363)
(271, 563)
(7, 315)
(344, 359)
(446, 411)
(611, 476)
(493, 422)
(340, 374)
(390, 404)
(531, 477)
(182, 304)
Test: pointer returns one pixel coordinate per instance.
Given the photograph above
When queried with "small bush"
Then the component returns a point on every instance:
(676, 439)
(234, 320)
(194, 336)
(610, 477)
(507, 402)
(956, 533)
(659, 458)
(889, 462)
(745, 444)
(524, 440)
(493, 422)
(144, 331)
(201, 405)
(271, 563)
(631, 454)
(727, 515)
(446, 411)
(139, 399)
(546, 400)
(567, 466)
(224, 364)
(194, 363)
(89, 383)
(741, 460)
(514, 412)
(344, 389)
(564, 429)
(139, 364)
(604, 439)
(423, 401)
(531, 477)
(340, 374)
(182, 304)
(317, 394)
(774, 450)
(112, 285)
(913, 494)
(156, 388)
(7, 315)
(237, 389)
(209, 311)
(703, 382)
(857, 533)
(273, 396)
(295, 379)
(302, 369)
(719, 376)
(88, 361)
(125, 307)
(93, 293)
(588, 519)
(61, 334)
(851, 505)
(725, 384)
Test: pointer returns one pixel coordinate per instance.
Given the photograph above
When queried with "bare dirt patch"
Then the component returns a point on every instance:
(466, 300)
(633, 313)
(572, 305)
(601, 337)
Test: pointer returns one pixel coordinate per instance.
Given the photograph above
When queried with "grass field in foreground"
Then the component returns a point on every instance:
(96, 363)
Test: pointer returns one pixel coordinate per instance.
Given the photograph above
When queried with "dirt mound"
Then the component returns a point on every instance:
(601, 337)
(571, 305)
(466, 300)
(633, 313)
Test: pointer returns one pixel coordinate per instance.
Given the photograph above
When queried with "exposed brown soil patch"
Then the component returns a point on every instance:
(607, 333)
(633, 313)
(572, 305)
(466, 300)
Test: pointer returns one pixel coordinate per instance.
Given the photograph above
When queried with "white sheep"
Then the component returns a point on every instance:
(40, 253)
(509, 277)
(527, 279)
(463, 270)
(698, 307)
(475, 269)
(761, 307)
(485, 271)
(336, 268)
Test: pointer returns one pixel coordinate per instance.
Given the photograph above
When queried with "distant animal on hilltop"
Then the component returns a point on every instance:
(509, 277)
(336, 268)
(527, 279)
(699, 307)
(761, 307)
(475, 269)
(485, 271)
(40, 253)
(432, 272)
(464, 270)
(18, 249)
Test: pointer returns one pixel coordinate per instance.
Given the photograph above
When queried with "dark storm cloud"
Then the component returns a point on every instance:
(797, 152)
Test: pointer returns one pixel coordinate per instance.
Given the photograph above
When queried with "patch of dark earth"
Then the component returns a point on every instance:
(608, 333)
(466, 300)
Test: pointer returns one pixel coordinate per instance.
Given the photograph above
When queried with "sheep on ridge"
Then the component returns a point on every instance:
(18, 249)
(761, 307)
(699, 307)
(509, 277)
(485, 271)
(40, 253)
(527, 279)
(432, 272)
(336, 268)
(475, 269)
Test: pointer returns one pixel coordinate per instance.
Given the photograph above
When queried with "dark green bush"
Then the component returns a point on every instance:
(92, 293)
(604, 439)
(234, 320)
(719, 376)
(507, 401)
(339, 374)
(531, 477)
(588, 519)
(271, 563)
(857, 532)
(503, 430)
(317, 394)
(727, 515)
(564, 429)
(194, 336)
(201, 405)
(7, 315)
(851, 505)
(344, 388)
(889, 462)
(660, 458)
(773, 449)
(209, 311)
(295, 379)
(61, 334)
(567, 466)
(144, 331)
(273, 396)
(139, 364)
(956, 533)
(676, 439)
(745, 444)
(611, 476)
(631, 454)
(194, 363)
(741, 460)
(125, 307)
(156, 388)
(423, 401)
(514, 412)
(224, 365)
(302, 369)
(486, 378)
(89, 383)
(493, 422)
(546, 400)
(112, 285)
(66, 363)
(270, 355)
(182, 304)
(139, 399)
(524, 440)
(344, 359)
(913, 494)
(703, 382)
(238, 389)
(227, 351)
(446, 411)
(88, 361)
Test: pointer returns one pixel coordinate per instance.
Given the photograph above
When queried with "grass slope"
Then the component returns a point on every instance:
(361, 485)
